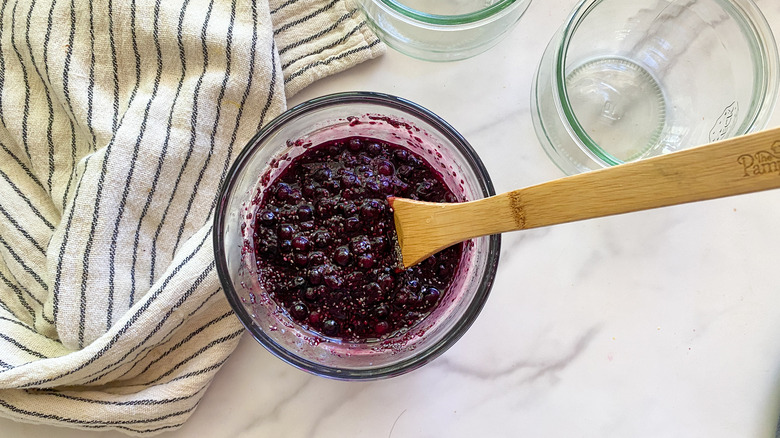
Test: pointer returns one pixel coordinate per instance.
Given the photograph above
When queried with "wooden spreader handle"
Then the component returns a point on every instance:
(745, 164)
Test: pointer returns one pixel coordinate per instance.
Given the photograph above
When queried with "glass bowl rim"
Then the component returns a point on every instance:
(426, 355)
(486, 14)
(749, 17)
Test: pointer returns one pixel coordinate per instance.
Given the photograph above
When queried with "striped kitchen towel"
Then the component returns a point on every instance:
(118, 122)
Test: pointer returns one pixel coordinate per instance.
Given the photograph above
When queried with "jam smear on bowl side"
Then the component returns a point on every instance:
(324, 240)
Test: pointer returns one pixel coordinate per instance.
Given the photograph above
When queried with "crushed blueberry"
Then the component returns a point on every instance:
(323, 233)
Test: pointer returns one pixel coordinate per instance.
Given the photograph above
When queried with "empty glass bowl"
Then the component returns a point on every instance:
(436, 30)
(345, 115)
(624, 80)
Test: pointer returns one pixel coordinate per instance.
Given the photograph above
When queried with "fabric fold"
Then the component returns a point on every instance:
(118, 124)
(337, 38)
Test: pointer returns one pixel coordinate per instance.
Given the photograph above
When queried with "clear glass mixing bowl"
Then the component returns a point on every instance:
(436, 30)
(624, 80)
(331, 117)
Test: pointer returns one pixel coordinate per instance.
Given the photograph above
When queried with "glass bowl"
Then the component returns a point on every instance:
(435, 30)
(624, 80)
(327, 118)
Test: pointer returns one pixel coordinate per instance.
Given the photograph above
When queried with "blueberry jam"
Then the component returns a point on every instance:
(324, 240)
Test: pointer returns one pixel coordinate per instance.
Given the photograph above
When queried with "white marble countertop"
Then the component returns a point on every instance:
(663, 323)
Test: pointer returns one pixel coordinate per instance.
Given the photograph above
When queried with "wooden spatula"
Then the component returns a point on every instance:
(744, 164)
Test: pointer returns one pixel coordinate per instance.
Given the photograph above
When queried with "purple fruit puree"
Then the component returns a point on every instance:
(324, 240)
